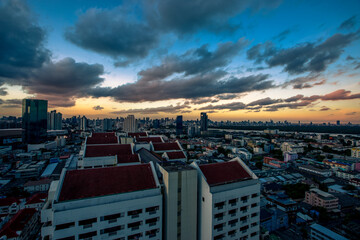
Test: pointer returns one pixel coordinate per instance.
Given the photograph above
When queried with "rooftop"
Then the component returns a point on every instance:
(149, 139)
(223, 173)
(122, 151)
(37, 198)
(176, 155)
(166, 146)
(102, 138)
(327, 232)
(13, 228)
(87, 183)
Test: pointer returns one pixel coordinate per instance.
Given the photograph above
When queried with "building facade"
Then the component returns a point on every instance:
(34, 120)
(228, 201)
(130, 124)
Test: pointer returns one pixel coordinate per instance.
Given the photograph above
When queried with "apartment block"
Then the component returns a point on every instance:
(316, 197)
(123, 202)
(228, 201)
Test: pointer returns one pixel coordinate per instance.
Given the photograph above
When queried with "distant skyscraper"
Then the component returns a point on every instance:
(179, 125)
(156, 123)
(107, 124)
(83, 123)
(54, 120)
(34, 120)
(338, 122)
(130, 124)
(203, 122)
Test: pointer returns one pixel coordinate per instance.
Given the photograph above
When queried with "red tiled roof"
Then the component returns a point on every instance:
(225, 172)
(65, 156)
(102, 138)
(138, 134)
(149, 139)
(122, 151)
(37, 198)
(8, 201)
(108, 150)
(97, 182)
(176, 155)
(17, 223)
(166, 146)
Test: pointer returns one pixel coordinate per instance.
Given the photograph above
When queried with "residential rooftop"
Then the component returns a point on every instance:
(224, 173)
(97, 182)
(102, 138)
(122, 151)
(166, 146)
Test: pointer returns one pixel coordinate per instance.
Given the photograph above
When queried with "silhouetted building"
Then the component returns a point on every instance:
(203, 122)
(54, 120)
(83, 123)
(130, 124)
(34, 120)
(179, 125)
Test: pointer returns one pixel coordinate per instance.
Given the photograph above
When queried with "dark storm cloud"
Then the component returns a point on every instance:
(3, 92)
(261, 52)
(98, 108)
(194, 61)
(302, 58)
(234, 106)
(294, 98)
(25, 62)
(11, 103)
(198, 86)
(348, 23)
(156, 110)
(126, 33)
(21, 41)
(188, 16)
(116, 33)
(264, 102)
(305, 82)
(64, 80)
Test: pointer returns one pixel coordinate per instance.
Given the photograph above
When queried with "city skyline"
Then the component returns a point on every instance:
(293, 60)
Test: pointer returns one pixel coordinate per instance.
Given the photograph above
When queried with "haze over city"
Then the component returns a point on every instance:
(235, 60)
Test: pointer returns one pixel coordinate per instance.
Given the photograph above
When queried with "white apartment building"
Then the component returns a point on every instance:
(130, 124)
(180, 201)
(228, 201)
(122, 202)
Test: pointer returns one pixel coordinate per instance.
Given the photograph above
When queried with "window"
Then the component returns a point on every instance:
(219, 205)
(232, 233)
(244, 229)
(67, 238)
(111, 218)
(233, 212)
(244, 209)
(218, 237)
(232, 223)
(64, 226)
(254, 195)
(219, 216)
(87, 223)
(152, 210)
(134, 213)
(253, 234)
(254, 215)
(152, 233)
(244, 198)
(112, 230)
(219, 227)
(233, 202)
(88, 235)
(253, 205)
(151, 221)
(254, 224)
(135, 225)
(135, 236)
(243, 219)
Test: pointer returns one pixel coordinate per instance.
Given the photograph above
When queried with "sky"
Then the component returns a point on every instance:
(259, 60)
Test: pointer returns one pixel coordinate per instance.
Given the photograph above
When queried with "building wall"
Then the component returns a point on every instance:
(247, 211)
(98, 208)
(180, 204)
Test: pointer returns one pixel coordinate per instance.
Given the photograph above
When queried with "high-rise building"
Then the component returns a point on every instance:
(54, 121)
(228, 201)
(338, 122)
(130, 124)
(203, 122)
(179, 125)
(180, 201)
(107, 124)
(34, 120)
(83, 123)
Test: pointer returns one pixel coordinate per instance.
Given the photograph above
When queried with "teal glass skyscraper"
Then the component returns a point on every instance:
(34, 120)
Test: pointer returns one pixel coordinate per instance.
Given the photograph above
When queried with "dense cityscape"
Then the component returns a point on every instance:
(129, 178)
(179, 120)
